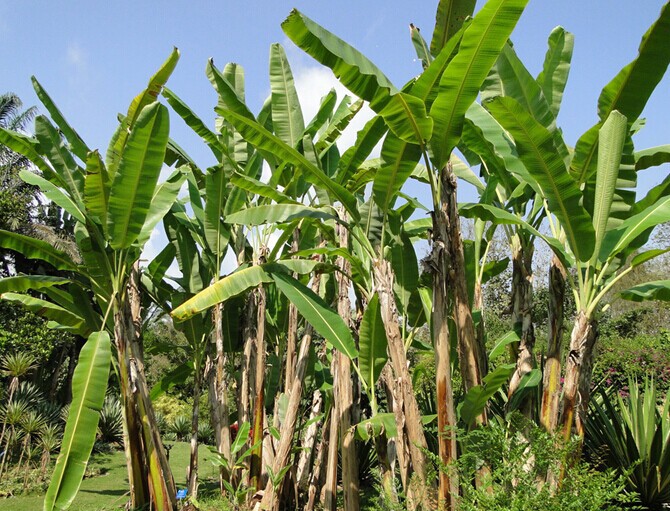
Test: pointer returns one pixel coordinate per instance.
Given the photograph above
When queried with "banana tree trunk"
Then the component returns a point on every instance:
(578, 370)
(398, 448)
(282, 456)
(217, 393)
(344, 394)
(551, 378)
(329, 492)
(149, 471)
(440, 262)
(307, 456)
(256, 462)
(522, 317)
(316, 479)
(408, 417)
(292, 332)
(472, 356)
(195, 418)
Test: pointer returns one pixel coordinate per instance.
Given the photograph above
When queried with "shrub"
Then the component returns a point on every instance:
(632, 435)
(110, 425)
(205, 433)
(181, 427)
(520, 456)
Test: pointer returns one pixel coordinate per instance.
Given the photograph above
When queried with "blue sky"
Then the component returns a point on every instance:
(93, 57)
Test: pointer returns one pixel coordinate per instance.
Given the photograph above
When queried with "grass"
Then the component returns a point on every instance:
(107, 488)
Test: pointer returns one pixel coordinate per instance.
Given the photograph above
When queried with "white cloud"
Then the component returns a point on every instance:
(312, 83)
(76, 56)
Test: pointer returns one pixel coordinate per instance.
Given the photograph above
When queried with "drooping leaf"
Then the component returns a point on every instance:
(657, 290)
(163, 198)
(324, 320)
(398, 161)
(420, 46)
(355, 71)
(194, 122)
(62, 162)
(53, 193)
(461, 80)
(68, 319)
(89, 384)
(477, 397)
(176, 376)
(406, 116)
(135, 180)
(32, 248)
(538, 153)
(620, 238)
(374, 426)
(652, 157)
(21, 283)
(225, 288)
(277, 213)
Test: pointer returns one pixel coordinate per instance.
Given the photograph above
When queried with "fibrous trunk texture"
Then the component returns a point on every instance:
(578, 370)
(195, 418)
(151, 482)
(283, 454)
(217, 392)
(256, 462)
(522, 317)
(406, 409)
(441, 265)
(551, 378)
(344, 394)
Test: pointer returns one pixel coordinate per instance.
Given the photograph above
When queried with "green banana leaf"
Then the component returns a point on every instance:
(96, 188)
(53, 193)
(261, 138)
(89, 384)
(537, 151)
(449, 18)
(278, 213)
(459, 85)
(324, 320)
(21, 283)
(64, 317)
(652, 157)
(32, 248)
(657, 290)
(619, 239)
(556, 67)
(62, 162)
(134, 182)
(372, 342)
(354, 70)
(610, 145)
(79, 148)
(287, 120)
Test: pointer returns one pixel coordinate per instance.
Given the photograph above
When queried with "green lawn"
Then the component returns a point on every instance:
(108, 490)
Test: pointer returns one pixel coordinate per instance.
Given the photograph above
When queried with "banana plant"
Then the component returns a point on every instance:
(589, 203)
(508, 184)
(116, 202)
(425, 119)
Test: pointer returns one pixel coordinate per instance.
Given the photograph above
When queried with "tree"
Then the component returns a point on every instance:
(116, 204)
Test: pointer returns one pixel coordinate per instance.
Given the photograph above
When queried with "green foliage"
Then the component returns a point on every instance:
(631, 435)
(110, 426)
(514, 483)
